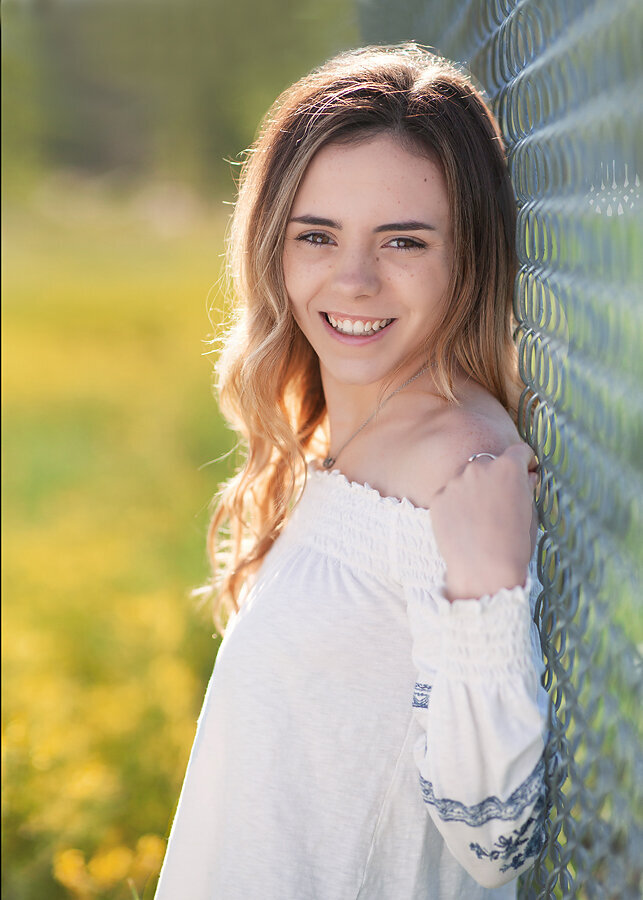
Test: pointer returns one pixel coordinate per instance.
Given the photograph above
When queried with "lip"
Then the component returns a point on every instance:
(354, 339)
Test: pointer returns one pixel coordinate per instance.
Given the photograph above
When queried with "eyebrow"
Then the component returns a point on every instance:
(411, 225)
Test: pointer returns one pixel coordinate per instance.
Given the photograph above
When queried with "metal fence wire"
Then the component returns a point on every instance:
(565, 78)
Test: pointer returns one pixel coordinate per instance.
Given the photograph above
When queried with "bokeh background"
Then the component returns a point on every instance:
(123, 120)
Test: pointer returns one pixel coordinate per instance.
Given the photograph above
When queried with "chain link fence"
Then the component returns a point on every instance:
(566, 82)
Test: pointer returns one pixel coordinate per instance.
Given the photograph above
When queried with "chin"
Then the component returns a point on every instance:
(359, 375)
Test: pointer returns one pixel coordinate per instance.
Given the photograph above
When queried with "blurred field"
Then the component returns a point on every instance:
(109, 417)
(109, 420)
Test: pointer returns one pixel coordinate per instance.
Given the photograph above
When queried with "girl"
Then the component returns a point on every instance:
(374, 727)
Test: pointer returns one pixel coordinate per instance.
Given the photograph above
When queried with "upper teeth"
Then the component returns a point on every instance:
(358, 326)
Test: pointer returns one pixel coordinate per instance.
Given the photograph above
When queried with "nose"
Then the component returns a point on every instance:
(356, 274)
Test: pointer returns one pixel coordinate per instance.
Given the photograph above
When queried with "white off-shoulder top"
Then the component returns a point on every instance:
(362, 737)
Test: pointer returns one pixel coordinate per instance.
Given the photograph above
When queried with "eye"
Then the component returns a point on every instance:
(406, 243)
(317, 238)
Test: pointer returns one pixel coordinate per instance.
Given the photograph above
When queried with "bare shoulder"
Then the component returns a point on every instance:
(424, 442)
(479, 424)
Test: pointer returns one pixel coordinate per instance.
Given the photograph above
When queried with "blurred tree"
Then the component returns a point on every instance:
(166, 89)
(22, 105)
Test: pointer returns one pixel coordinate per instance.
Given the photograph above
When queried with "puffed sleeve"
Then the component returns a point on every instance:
(483, 717)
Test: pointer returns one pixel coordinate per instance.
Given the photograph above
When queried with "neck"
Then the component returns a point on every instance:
(350, 405)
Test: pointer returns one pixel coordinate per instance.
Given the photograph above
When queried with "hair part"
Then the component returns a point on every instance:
(269, 380)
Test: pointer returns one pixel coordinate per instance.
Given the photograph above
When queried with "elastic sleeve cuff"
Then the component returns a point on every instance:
(490, 636)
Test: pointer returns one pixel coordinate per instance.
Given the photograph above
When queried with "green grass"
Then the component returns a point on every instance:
(109, 424)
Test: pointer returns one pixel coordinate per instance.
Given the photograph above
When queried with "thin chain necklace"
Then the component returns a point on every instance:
(330, 461)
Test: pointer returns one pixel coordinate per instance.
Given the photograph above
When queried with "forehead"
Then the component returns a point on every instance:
(379, 176)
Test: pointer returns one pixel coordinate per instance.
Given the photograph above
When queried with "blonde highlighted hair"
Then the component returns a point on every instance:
(268, 375)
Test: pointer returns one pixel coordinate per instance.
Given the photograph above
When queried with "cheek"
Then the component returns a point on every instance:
(293, 292)
(303, 279)
(441, 275)
(430, 303)
(286, 268)
(294, 271)
(296, 297)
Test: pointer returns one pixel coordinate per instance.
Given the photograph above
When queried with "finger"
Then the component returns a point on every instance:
(523, 454)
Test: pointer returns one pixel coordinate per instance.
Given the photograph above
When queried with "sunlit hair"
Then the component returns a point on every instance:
(268, 375)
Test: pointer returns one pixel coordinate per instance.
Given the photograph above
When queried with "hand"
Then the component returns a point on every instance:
(484, 522)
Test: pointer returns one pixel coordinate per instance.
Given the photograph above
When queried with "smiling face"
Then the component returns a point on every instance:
(367, 258)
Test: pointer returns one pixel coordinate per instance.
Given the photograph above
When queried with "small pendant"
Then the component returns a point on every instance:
(329, 462)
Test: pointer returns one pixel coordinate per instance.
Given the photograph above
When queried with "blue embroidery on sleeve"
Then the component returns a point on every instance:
(524, 796)
(421, 694)
(522, 844)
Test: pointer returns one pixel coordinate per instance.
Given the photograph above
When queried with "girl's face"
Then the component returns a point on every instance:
(367, 257)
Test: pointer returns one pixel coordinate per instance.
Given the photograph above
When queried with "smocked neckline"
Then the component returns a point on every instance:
(364, 488)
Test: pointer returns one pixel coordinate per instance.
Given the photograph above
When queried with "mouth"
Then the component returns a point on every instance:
(365, 327)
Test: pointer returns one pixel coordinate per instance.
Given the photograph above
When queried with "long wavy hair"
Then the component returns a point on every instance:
(269, 379)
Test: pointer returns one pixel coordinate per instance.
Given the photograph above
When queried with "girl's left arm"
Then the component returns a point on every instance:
(478, 695)
(483, 715)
